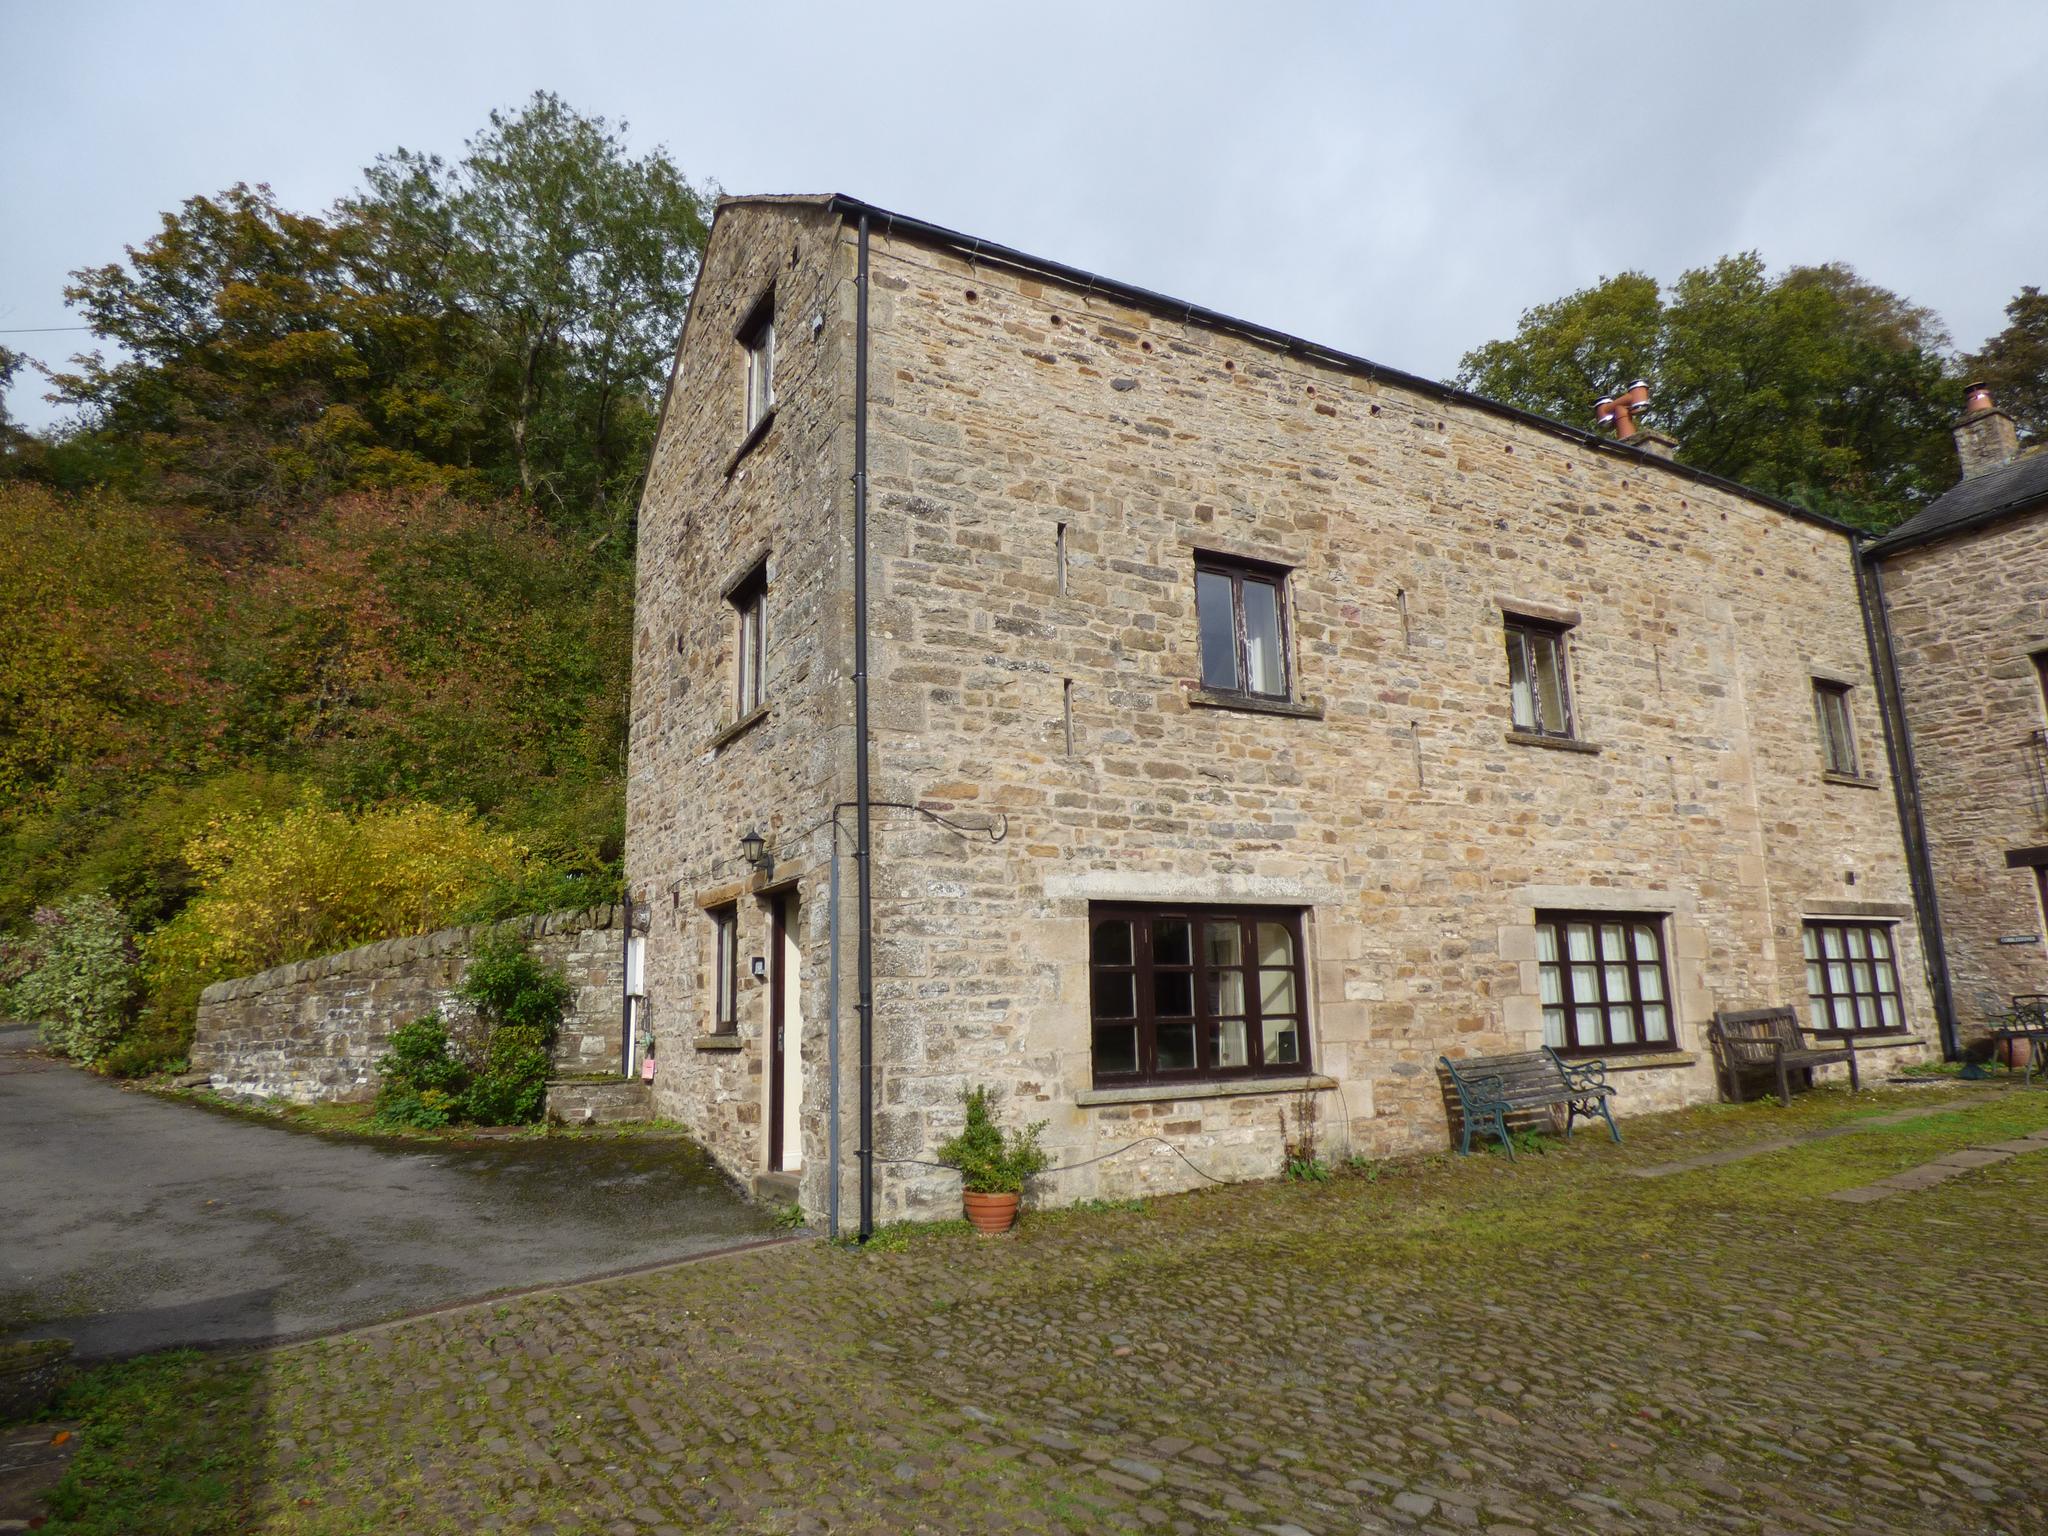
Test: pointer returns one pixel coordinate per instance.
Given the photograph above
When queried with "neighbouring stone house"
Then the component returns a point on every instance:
(1965, 586)
(1248, 725)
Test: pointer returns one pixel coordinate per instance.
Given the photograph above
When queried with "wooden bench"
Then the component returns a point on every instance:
(1490, 1088)
(1770, 1040)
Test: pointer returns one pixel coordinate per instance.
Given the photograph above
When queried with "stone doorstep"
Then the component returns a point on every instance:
(774, 1188)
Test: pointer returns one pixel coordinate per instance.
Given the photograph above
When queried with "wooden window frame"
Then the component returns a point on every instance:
(757, 342)
(1236, 569)
(2040, 660)
(1836, 1005)
(749, 599)
(1207, 1021)
(725, 968)
(1521, 633)
(1570, 1003)
(1832, 706)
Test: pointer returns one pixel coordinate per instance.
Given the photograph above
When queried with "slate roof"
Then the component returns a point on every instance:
(1981, 499)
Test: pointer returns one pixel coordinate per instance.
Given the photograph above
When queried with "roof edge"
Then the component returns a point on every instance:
(1159, 303)
(1904, 537)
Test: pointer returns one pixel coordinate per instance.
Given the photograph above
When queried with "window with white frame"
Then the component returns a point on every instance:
(757, 337)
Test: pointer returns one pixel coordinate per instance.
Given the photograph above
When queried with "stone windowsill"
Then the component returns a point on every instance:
(1852, 780)
(1252, 704)
(751, 441)
(732, 733)
(1554, 743)
(718, 1042)
(1166, 1093)
(1866, 1040)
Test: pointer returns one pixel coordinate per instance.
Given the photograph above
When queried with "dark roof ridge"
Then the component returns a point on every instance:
(1143, 298)
(1974, 503)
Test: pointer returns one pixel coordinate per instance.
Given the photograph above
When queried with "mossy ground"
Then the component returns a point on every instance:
(1550, 1344)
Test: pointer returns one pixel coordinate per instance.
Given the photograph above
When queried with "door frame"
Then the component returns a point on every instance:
(781, 908)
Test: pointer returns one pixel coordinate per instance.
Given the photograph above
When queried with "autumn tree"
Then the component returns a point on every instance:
(1812, 384)
(2014, 363)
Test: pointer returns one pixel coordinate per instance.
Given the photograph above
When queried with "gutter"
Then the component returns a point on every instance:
(1898, 745)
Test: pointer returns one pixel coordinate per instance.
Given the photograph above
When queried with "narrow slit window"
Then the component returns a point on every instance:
(750, 621)
(725, 969)
(1837, 729)
(757, 337)
(1241, 616)
(1539, 678)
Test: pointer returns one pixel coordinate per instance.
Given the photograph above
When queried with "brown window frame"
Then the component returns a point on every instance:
(749, 599)
(1237, 571)
(1833, 1004)
(1569, 1002)
(756, 337)
(2041, 676)
(1522, 633)
(1206, 1019)
(1836, 714)
(725, 968)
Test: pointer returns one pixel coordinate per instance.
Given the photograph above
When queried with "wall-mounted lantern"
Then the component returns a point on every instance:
(754, 846)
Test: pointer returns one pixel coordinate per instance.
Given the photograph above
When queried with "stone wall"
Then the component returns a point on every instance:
(312, 1031)
(1967, 615)
(1015, 422)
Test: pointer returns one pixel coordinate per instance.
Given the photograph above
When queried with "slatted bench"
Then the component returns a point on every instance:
(1770, 1040)
(1490, 1088)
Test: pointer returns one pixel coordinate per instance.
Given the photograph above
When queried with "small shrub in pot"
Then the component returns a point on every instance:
(993, 1164)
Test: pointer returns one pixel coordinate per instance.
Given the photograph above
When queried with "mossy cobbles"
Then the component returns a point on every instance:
(1449, 1346)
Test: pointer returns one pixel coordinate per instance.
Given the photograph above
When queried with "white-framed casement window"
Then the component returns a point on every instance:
(757, 338)
(1539, 677)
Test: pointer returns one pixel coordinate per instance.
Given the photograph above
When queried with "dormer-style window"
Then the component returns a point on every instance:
(1241, 612)
(757, 337)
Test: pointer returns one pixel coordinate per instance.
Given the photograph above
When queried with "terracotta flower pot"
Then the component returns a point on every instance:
(2014, 1054)
(991, 1213)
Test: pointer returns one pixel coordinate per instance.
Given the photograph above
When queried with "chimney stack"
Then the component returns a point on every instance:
(1986, 438)
(1624, 412)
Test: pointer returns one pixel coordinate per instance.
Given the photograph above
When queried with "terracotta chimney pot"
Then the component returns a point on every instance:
(1986, 438)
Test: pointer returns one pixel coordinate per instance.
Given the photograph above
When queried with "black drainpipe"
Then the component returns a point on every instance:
(862, 846)
(1898, 746)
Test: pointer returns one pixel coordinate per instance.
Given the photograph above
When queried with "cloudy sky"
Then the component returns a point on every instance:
(1396, 180)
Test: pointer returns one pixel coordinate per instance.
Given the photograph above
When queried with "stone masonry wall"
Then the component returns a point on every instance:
(1012, 418)
(1967, 615)
(715, 508)
(311, 1032)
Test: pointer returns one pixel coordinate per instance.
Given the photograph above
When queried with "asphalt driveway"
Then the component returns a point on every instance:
(129, 1223)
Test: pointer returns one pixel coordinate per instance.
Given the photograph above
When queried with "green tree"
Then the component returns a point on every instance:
(567, 264)
(1814, 384)
(2014, 363)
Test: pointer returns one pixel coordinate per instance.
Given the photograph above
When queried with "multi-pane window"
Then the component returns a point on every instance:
(1603, 982)
(1852, 977)
(1241, 611)
(750, 612)
(1539, 679)
(1837, 733)
(725, 969)
(1179, 993)
(757, 336)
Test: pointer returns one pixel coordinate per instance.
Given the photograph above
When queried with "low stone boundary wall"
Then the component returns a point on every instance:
(312, 1031)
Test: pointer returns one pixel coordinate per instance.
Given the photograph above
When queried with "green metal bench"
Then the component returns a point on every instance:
(1490, 1088)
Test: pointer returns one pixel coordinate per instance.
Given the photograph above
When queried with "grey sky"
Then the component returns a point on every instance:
(1400, 181)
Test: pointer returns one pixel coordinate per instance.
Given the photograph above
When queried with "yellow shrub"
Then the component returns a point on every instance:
(273, 889)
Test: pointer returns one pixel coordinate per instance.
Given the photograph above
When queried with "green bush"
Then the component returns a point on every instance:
(992, 1162)
(422, 1081)
(520, 1003)
(79, 984)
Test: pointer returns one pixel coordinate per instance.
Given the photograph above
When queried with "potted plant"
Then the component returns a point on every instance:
(993, 1164)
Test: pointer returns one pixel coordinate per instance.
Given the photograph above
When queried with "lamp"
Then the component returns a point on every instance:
(754, 846)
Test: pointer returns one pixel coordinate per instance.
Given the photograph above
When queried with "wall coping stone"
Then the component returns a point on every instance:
(386, 954)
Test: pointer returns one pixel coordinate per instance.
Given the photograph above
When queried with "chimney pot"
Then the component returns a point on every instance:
(1986, 438)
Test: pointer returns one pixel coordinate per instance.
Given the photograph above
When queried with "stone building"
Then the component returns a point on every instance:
(1965, 587)
(1248, 725)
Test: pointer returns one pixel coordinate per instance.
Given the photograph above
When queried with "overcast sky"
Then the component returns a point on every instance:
(1399, 181)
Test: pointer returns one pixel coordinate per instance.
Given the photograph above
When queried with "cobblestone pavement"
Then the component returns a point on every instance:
(1449, 1346)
